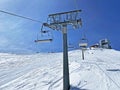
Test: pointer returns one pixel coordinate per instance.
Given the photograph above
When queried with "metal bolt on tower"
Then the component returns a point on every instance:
(60, 21)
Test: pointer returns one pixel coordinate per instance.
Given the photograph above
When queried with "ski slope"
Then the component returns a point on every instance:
(99, 71)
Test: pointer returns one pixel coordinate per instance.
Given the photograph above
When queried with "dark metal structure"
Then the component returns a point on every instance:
(60, 21)
(105, 43)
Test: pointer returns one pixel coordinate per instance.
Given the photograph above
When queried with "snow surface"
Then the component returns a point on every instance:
(99, 71)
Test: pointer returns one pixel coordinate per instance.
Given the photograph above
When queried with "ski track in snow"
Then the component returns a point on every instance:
(99, 71)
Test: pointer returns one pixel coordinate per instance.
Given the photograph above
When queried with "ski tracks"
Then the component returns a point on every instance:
(112, 81)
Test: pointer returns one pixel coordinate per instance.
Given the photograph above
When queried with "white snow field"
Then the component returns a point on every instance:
(99, 71)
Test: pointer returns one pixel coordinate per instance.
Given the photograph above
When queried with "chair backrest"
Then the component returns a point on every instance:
(83, 44)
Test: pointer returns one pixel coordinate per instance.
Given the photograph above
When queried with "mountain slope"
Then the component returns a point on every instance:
(99, 71)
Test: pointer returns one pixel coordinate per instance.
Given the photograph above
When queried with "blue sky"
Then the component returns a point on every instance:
(101, 19)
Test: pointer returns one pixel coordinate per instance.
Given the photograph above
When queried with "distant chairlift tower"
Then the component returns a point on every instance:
(60, 21)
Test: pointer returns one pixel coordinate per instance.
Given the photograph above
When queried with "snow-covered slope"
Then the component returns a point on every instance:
(99, 71)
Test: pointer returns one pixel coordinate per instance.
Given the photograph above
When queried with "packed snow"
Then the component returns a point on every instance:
(43, 71)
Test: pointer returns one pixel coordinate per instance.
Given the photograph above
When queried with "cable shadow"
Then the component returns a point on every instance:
(113, 70)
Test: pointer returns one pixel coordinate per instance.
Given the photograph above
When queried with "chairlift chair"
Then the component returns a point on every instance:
(83, 43)
(45, 36)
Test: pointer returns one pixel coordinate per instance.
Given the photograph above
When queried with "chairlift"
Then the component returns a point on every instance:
(45, 36)
(83, 43)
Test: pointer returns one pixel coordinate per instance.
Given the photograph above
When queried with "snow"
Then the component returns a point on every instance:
(99, 71)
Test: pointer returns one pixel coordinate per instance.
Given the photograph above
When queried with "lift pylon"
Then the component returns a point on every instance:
(60, 21)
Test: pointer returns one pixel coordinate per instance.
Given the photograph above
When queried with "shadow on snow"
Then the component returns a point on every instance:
(76, 88)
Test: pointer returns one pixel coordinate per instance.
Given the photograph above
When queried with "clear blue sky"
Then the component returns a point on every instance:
(101, 19)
